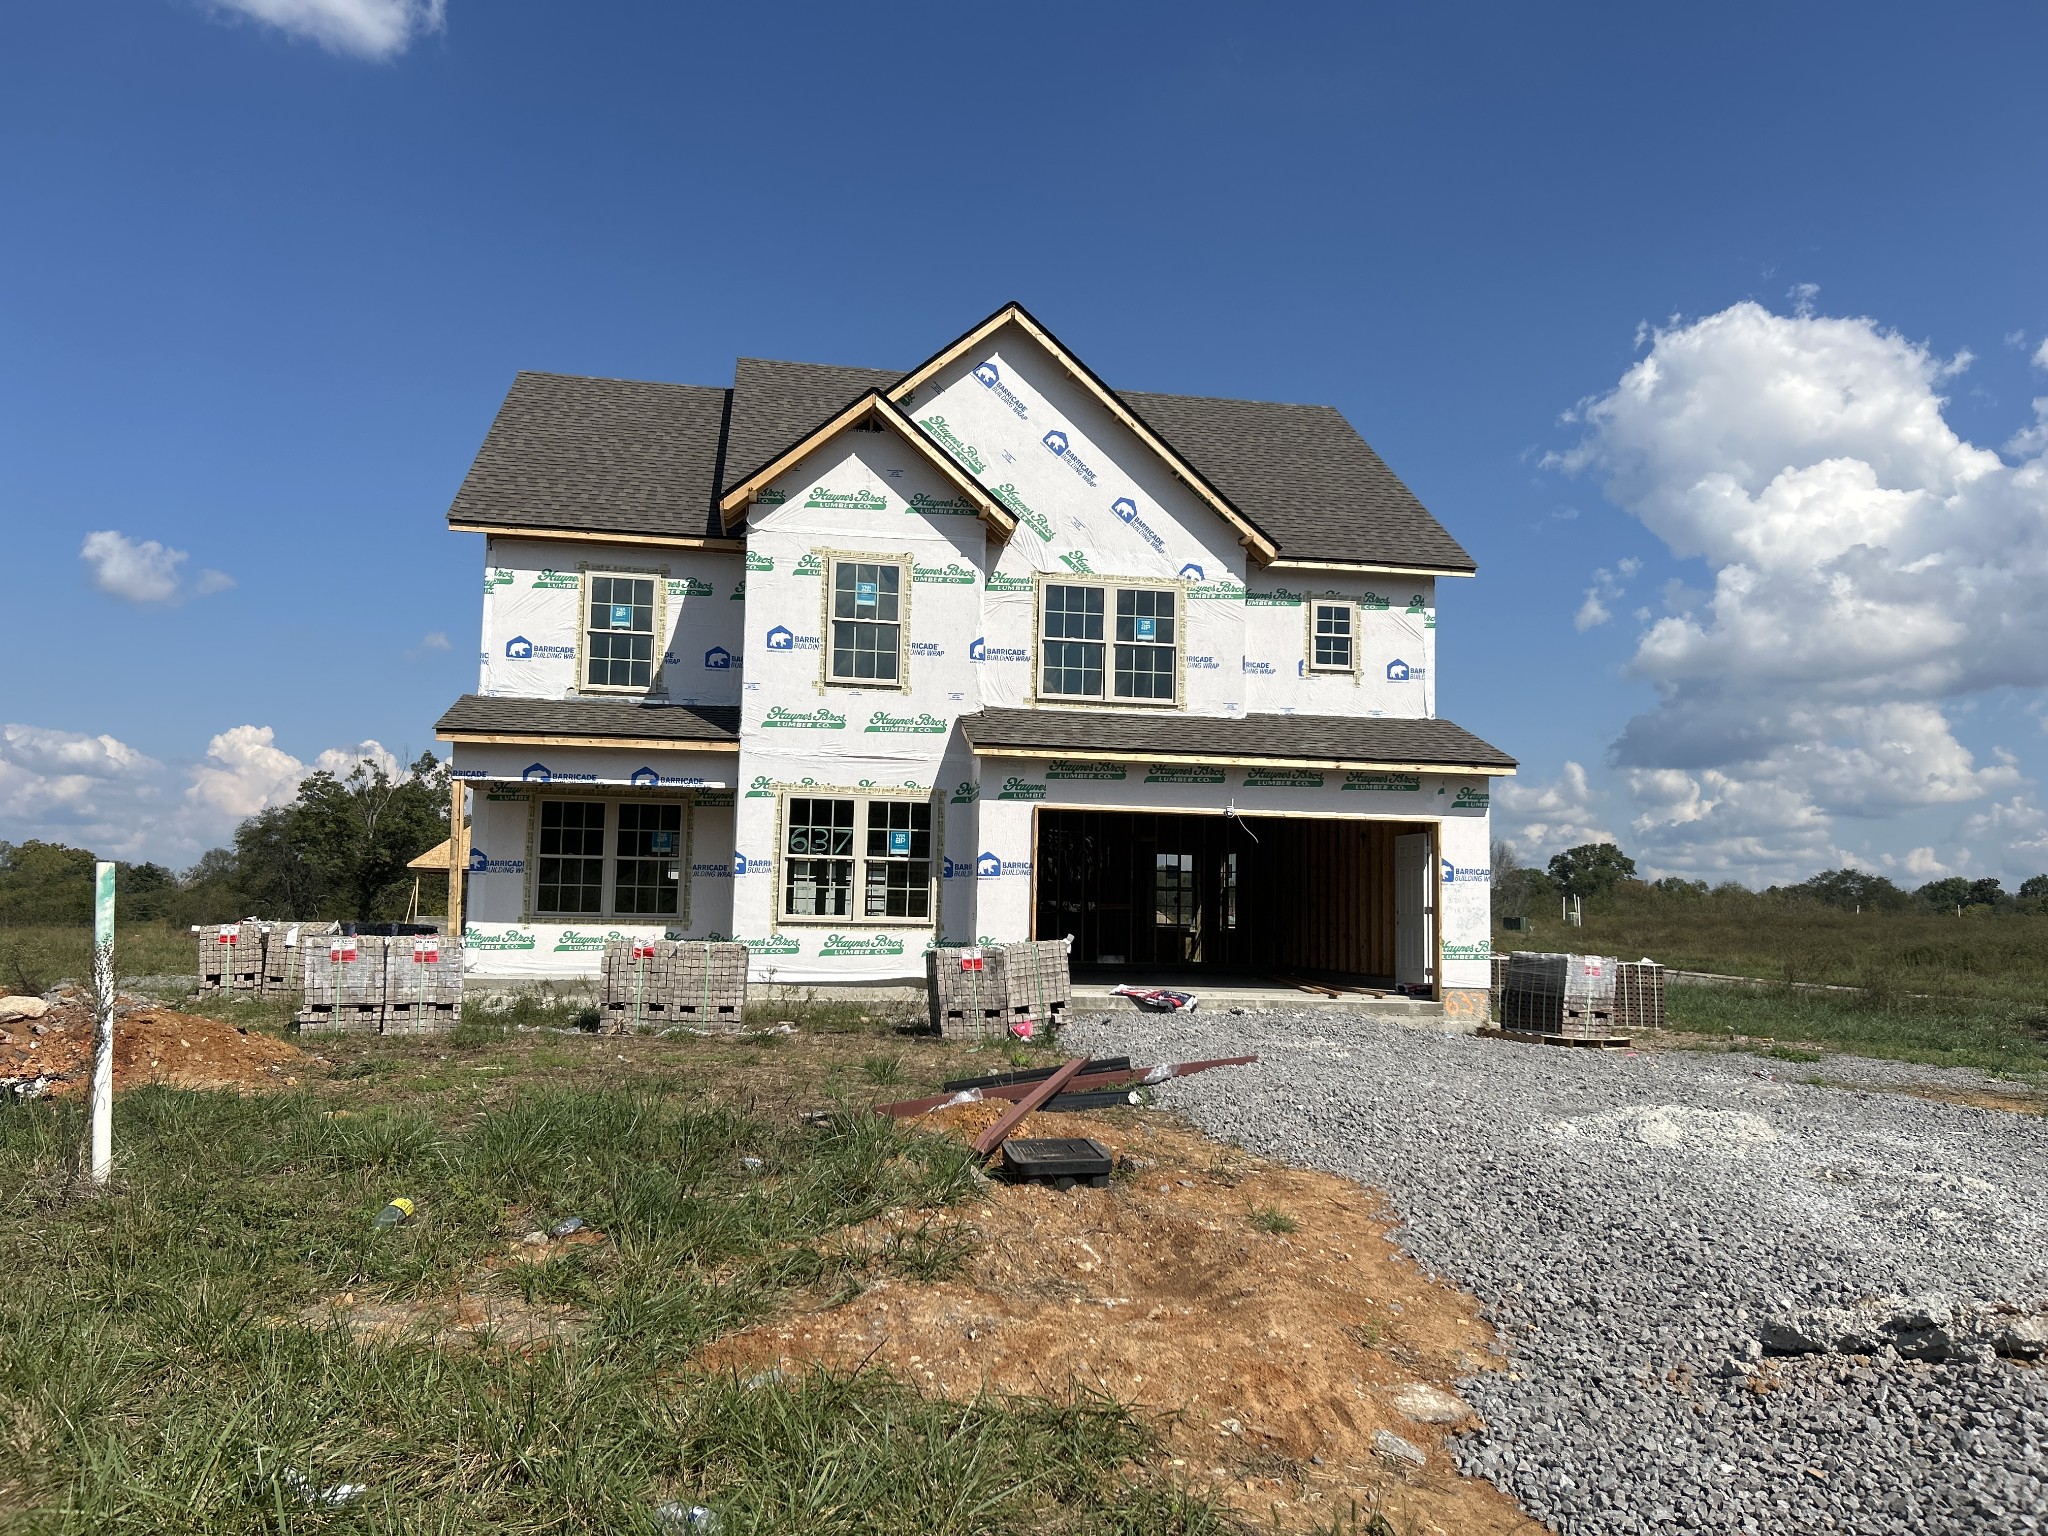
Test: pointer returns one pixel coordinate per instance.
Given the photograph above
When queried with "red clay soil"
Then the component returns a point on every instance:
(151, 1045)
(1258, 1313)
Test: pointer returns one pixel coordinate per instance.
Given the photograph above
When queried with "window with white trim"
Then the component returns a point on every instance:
(1333, 637)
(867, 622)
(857, 859)
(609, 858)
(619, 647)
(1099, 642)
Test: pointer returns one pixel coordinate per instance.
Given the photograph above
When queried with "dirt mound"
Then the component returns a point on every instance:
(151, 1045)
(1258, 1310)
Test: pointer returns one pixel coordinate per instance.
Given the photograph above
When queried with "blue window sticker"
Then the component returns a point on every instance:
(899, 842)
(1148, 629)
(661, 842)
(622, 615)
(864, 592)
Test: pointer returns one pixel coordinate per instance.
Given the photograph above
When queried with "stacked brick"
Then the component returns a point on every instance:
(1638, 995)
(697, 984)
(391, 986)
(1574, 997)
(255, 957)
(1532, 1001)
(994, 991)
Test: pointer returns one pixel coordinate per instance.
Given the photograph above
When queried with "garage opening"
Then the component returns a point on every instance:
(1173, 893)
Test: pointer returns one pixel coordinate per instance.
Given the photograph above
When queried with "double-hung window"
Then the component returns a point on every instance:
(1333, 639)
(619, 632)
(857, 859)
(1098, 642)
(867, 622)
(609, 858)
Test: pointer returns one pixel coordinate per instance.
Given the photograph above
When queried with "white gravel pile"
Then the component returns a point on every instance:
(1633, 1223)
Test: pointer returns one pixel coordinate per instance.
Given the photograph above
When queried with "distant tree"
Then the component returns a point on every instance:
(1591, 869)
(1684, 890)
(1851, 889)
(341, 848)
(2034, 886)
(1517, 889)
(1952, 892)
(45, 883)
(146, 893)
(1987, 893)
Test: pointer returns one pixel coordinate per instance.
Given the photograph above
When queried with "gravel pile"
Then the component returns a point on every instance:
(1633, 1223)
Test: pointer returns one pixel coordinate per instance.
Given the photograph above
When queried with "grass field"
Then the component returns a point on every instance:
(173, 1366)
(1969, 991)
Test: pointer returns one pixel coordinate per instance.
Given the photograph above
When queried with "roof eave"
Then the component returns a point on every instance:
(1239, 759)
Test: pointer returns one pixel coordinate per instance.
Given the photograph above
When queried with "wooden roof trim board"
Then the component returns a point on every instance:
(1212, 760)
(1016, 314)
(643, 743)
(734, 504)
(1364, 568)
(666, 540)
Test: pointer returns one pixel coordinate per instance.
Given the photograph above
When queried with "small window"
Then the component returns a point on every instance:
(880, 847)
(899, 859)
(1073, 641)
(619, 632)
(1083, 657)
(571, 858)
(647, 881)
(1332, 644)
(817, 872)
(867, 622)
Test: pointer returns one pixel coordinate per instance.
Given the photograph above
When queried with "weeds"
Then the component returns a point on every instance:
(174, 1378)
(885, 1070)
(1270, 1218)
(1994, 1038)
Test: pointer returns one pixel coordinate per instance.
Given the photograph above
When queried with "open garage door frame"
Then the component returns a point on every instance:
(1211, 891)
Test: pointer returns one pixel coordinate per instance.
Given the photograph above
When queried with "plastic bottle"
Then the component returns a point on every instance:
(398, 1210)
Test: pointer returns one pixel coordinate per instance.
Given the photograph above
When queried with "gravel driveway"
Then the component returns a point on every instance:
(1630, 1221)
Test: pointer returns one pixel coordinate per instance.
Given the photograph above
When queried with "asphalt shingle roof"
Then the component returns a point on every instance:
(474, 714)
(620, 456)
(598, 455)
(1321, 738)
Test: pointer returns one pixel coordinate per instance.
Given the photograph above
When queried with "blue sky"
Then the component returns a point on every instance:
(273, 263)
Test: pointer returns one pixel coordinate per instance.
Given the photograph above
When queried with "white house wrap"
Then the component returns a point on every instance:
(844, 664)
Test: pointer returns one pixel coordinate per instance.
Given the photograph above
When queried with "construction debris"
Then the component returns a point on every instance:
(151, 1045)
(1092, 1077)
(1061, 1161)
(1167, 1000)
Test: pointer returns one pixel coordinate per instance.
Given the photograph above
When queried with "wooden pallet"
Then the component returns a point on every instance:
(1584, 1042)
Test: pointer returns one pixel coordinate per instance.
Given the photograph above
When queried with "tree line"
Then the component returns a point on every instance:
(1601, 871)
(339, 850)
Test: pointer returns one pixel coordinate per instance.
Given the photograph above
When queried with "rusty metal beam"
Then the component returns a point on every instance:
(992, 1138)
(1133, 1077)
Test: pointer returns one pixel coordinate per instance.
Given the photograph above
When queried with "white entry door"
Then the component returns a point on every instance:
(1414, 909)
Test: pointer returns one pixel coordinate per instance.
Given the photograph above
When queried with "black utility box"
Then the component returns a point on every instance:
(1061, 1161)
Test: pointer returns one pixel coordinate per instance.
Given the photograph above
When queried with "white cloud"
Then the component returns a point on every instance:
(432, 640)
(1870, 570)
(1543, 819)
(66, 786)
(365, 29)
(246, 771)
(98, 792)
(145, 572)
(2018, 830)
(1607, 588)
(2041, 354)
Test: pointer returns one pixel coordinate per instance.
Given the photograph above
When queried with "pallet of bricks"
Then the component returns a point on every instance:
(1497, 989)
(663, 983)
(1561, 997)
(256, 956)
(998, 991)
(376, 985)
(1638, 996)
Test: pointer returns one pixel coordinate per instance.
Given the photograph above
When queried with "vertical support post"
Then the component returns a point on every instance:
(458, 857)
(102, 1107)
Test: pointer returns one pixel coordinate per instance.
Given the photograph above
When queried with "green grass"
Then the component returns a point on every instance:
(34, 958)
(2002, 1039)
(170, 1355)
(1966, 992)
(1271, 1218)
(1983, 957)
